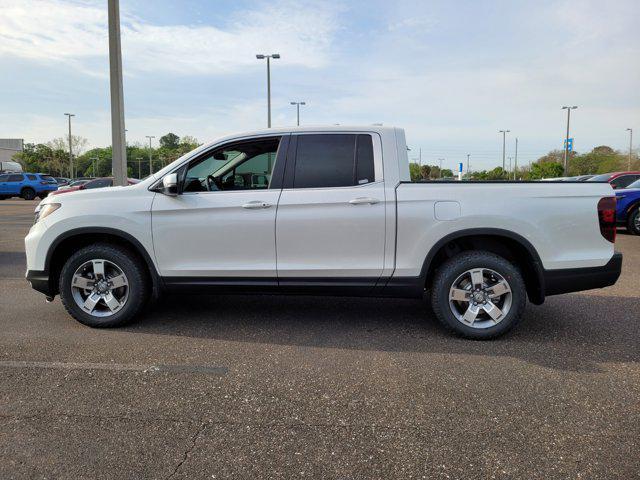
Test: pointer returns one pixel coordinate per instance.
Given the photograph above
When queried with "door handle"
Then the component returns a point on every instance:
(256, 205)
(363, 200)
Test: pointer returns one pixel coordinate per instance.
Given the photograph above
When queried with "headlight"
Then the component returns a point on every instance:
(43, 211)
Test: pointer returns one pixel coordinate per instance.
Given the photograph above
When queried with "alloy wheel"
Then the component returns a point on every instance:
(100, 288)
(480, 298)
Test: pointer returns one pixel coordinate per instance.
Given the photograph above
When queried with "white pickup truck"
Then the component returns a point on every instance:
(327, 211)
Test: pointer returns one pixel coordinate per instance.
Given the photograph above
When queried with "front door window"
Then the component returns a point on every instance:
(240, 166)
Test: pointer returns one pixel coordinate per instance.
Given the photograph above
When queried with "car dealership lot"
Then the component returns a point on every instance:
(257, 387)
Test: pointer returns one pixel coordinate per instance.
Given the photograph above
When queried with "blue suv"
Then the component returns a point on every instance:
(628, 207)
(26, 185)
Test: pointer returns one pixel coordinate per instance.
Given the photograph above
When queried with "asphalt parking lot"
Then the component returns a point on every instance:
(301, 387)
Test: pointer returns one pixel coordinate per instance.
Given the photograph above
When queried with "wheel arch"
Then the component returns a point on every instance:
(68, 242)
(505, 243)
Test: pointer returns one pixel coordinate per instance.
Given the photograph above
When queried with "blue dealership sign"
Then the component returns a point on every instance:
(570, 144)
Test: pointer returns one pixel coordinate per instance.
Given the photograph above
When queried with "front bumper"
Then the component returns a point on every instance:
(576, 279)
(39, 281)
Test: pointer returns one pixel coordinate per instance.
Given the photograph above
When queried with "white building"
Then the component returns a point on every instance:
(9, 147)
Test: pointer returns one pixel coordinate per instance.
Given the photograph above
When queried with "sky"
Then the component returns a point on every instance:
(452, 73)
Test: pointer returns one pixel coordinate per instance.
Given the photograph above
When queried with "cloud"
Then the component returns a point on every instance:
(76, 32)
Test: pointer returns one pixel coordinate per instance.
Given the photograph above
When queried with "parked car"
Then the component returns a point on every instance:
(628, 207)
(349, 222)
(26, 185)
(62, 181)
(617, 179)
(90, 184)
(73, 183)
(583, 178)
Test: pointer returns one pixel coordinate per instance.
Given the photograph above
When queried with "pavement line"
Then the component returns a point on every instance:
(116, 367)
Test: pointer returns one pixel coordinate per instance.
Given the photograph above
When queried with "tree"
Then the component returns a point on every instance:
(425, 171)
(170, 140)
(414, 172)
(447, 173)
(546, 170)
(78, 144)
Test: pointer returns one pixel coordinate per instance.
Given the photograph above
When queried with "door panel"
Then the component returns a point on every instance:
(331, 214)
(210, 234)
(323, 233)
(223, 223)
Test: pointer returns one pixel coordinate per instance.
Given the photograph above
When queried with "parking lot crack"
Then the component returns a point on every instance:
(187, 453)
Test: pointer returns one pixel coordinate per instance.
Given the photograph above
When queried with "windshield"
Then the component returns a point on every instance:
(600, 178)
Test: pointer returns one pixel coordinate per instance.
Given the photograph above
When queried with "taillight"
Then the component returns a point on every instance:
(607, 218)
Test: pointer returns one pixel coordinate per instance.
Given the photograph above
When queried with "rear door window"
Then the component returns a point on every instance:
(33, 178)
(333, 160)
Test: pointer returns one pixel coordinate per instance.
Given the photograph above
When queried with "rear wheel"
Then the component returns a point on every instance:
(478, 295)
(633, 220)
(43, 195)
(103, 286)
(28, 193)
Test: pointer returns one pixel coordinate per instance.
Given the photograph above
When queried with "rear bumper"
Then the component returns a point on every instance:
(577, 279)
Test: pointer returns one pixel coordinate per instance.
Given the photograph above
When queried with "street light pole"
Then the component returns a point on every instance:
(70, 150)
(118, 145)
(268, 57)
(515, 168)
(297, 104)
(150, 158)
(139, 167)
(566, 140)
(441, 160)
(504, 133)
(630, 130)
(468, 155)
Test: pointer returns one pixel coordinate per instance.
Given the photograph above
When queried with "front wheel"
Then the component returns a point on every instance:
(633, 221)
(478, 295)
(103, 285)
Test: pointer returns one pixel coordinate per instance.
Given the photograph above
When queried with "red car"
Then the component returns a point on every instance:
(617, 179)
(96, 183)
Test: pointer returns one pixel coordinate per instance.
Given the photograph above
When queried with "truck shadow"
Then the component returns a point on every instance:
(573, 332)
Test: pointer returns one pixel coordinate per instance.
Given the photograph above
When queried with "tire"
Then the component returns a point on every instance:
(495, 273)
(43, 195)
(116, 263)
(28, 193)
(633, 220)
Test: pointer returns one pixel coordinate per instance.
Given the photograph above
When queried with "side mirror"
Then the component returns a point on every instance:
(170, 185)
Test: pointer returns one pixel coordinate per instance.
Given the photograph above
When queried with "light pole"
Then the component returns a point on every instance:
(268, 57)
(441, 160)
(150, 159)
(504, 133)
(95, 162)
(118, 145)
(630, 130)
(297, 104)
(139, 167)
(468, 155)
(515, 167)
(566, 140)
(70, 150)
